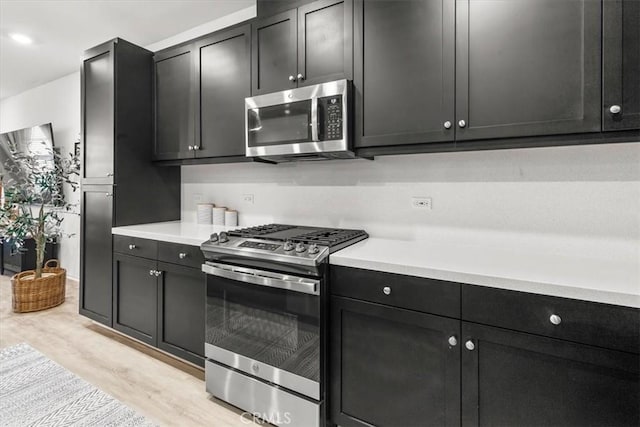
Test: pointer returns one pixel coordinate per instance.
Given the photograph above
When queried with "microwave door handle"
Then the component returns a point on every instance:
(314, 119)
(263, 278)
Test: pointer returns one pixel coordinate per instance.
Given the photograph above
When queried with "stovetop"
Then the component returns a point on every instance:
(275, 245)
(334, 238)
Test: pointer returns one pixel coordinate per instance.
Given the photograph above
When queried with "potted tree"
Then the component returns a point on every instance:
(32, 206)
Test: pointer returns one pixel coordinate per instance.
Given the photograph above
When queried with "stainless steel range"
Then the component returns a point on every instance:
(266, 319)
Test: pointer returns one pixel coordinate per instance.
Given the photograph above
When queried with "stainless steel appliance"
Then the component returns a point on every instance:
(306, 123)
(266, 319)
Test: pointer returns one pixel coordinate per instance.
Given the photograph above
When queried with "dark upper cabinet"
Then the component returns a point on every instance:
(135, 297)
(511, 378)
(621, 64)
(404, 71)
(223, 65)
(95, 246)
(174, 83)
(392, 367)
(181, 311)
(527, 68)
(274, 53)
(97, 115)
(304, 46)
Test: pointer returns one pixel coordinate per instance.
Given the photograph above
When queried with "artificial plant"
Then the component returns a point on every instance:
(34, 201)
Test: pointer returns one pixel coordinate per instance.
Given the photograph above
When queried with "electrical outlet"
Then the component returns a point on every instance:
(421, 203)
(247, 198)
(197, 198)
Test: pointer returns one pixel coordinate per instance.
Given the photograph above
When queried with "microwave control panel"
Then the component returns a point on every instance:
(330, 112)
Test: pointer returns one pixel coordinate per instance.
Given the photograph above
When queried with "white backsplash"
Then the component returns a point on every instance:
(557, 197)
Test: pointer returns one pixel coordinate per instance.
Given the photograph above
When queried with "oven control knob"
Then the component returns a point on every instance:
(288, 246)
(223, 237)
(300, 247)
(214, 237)
(313, 249)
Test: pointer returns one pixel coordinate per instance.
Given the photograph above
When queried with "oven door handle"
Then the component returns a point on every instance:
(263, 278)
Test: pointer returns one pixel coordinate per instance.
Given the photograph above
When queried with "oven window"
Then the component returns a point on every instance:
(279, 124)
(278, 327)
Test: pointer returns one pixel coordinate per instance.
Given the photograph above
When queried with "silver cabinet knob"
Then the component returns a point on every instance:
(386, 290)
(292, 79)
(615, 109)
(108, 194)
(470, 345)
(447, 124)
(300, 76)
(453, 341)
(196, 147)
(462, 123)
(157, 273)
(132, 247)
(190, 148)
(555, 319)
(152, 272)
(182, 255)
(110, 174)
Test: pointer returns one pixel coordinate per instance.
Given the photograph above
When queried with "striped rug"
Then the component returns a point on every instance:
(36, 391)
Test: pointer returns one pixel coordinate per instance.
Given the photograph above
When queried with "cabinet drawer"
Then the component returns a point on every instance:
(413, 293)
(135, 246)
(187, 255)
(602, 325)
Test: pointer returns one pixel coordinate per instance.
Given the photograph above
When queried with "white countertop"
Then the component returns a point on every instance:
(184, 233)
(520, 268)
(515, 265)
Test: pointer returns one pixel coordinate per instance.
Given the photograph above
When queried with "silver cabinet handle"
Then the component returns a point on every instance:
(470, 345)
(300, 76)
(453, 341)
(292, 79)
(132, 247)
(555, 319)
(447, 124)
(386, 290)
(462, 123)
(182, 255)
(615, 109)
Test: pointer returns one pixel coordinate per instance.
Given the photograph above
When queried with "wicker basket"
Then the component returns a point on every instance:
(30, 294)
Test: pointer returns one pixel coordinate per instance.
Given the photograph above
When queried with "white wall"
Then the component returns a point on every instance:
(583, 197)
(57, 102)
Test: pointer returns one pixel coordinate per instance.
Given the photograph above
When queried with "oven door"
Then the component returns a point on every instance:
(265, 324)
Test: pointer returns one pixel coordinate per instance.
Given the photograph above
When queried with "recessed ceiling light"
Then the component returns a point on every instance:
(21, 38)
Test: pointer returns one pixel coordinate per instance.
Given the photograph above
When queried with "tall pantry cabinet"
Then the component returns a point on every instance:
(120, 185)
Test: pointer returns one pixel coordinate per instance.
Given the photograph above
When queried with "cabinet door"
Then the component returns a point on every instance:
(97, 82)
(174, 104)
(224, 80)
(274, 53)
(404, 71)
(621, 64)
(135, 296)
(181, 308)
(527, 67)
(96, 252)
(392, 367)
(325, 47)
(512, 378)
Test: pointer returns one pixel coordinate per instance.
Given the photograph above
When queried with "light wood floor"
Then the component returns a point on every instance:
(166, 391)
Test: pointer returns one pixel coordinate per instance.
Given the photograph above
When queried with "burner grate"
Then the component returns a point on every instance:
(260, 230)
(329, 237)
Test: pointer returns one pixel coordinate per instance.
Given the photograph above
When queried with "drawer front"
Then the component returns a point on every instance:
(135, 246)
(602, 325)
(187, 255)
(413, 293)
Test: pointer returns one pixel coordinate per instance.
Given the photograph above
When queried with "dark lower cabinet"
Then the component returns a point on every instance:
(181, 311)
(621, 64)
(96, 249)
(392, 367)
(159, 295)
(518, 379)
(135, 294)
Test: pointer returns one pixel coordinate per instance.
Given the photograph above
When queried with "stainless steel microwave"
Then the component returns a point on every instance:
(306, 123)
